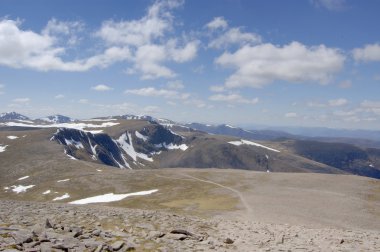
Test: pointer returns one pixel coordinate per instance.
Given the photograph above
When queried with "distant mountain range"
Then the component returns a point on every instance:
(139, 142)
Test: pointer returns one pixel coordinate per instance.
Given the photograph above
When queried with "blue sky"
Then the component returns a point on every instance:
(302, 63)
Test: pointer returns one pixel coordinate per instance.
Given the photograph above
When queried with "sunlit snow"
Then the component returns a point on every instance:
(141, 136)
(22, 178)
(3, 147)
(21, 188)
(78, 126)
(172, 146)
(242, 141)
(77, 144)
(12, 137)
(110, 197)
(65, 196)
(129, 149)
(46, 192)
(63, 180)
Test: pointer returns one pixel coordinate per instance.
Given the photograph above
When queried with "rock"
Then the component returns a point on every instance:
(96, 232)
(280, 239)
(155, 234)
(179, 237)
(341, 241)
(181, 231)
(76, 231)
(117, 245)
(228, 241)
(48, 224)
(22, 236)
(99, 248)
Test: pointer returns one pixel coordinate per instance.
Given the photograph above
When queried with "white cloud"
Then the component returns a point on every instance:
(371, 106)
(59, 96)
(217, 89)
(345, 84)
(147, 39)
(151, 109)
(71, 30)
(331, 103)
(337, 102)
(367, 53)
(27, 49)
(257, 66)
(291, 115)
(153, 92)
(234, 36)
(314, 104)
(101, 87)
(233, 98)
(83, 101)
(332, 5)
(177, 84)
(216, 23)
(21, 100)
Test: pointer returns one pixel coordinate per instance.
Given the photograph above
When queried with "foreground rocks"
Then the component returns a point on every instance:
(27, 226)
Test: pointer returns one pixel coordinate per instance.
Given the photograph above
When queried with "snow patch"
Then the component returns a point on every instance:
(129, 149)
(65, 196)
(46, 192)
(20, 188)
(78, 126)
(242, 141)
(63, 180)
(24, 121)
(3, 147)
(172, 146)
(12, 137)
(77, 144)
(99, 120)
(371, 165)
(141, 136)
(22, 178)
(110, 197)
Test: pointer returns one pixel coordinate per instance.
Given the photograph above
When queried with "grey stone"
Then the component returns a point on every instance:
(48, 224)
(22, 236)
(117, 245)
(228, 241)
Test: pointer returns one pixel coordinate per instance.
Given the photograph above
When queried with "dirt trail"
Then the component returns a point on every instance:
(238, 193)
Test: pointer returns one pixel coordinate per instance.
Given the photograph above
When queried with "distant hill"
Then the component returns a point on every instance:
(9, 116)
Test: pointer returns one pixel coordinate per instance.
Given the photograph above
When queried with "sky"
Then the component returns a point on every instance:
(242, 62)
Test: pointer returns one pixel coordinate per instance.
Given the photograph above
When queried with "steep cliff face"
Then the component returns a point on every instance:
(131, 149)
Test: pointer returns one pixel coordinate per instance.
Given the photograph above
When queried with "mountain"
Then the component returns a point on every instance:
(10, 116)
(57, 119)
(322, 132)
(347, 157)
(225, 129)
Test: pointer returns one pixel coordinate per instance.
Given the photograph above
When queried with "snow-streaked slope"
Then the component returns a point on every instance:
(242, 142)
(125, 142)
(141, 136)
(57, 119)
(110, 197)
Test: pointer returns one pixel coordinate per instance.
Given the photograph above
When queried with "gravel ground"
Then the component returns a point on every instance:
(33, 226)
